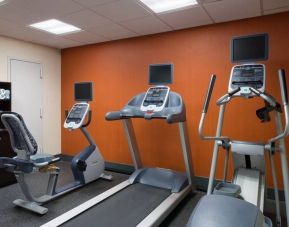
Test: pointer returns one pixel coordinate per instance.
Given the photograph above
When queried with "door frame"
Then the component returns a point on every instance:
(9, 60)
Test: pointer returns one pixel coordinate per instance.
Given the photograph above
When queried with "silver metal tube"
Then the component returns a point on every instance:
(132, 143)
(224, 99)
(226, 165)
(283, 156)
(269, 99)
(187, 152)
(200, 131)
(264, 96)
(284, 133)
(276, 194)
(216, 149)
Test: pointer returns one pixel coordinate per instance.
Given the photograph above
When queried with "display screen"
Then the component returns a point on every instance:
(83, 91)
(4, 94)
(249, 48)
(161, 74)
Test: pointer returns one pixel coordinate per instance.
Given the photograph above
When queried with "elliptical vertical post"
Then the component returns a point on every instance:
(216, 149)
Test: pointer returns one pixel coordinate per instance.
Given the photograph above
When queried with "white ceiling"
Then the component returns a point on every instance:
(105, 20)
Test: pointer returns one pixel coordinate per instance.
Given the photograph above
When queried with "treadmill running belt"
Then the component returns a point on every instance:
(124, 209)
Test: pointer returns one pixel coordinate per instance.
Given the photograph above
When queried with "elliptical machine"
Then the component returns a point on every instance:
(86, 167)
(241, 201)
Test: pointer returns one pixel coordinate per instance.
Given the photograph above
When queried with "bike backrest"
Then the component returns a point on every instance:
(21, 139)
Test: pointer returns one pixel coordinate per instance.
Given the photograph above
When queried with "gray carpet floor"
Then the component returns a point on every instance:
(11, 216)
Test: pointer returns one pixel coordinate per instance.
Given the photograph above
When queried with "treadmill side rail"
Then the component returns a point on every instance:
(156, 217)
(85, 206)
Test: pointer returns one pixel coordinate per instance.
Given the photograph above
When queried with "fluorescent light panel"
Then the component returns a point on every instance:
(55, 26)
(160, 6)
(2, 2)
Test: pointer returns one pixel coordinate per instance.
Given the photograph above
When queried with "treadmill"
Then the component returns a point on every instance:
(150, 194)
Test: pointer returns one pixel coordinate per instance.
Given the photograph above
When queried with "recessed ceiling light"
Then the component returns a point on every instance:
(55, 26)
(160, 6)
(2, 2)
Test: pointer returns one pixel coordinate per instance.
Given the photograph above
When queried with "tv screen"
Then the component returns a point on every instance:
(4, 94)
(249, 48)
(83, 91)
(161, 74)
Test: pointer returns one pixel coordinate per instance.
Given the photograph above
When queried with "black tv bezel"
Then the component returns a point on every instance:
(161, 64)
(91, 91)
(266, 36)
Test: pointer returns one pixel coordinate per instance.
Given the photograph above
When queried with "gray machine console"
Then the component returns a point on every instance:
(76, 116)
(155, 99)
(245, 77)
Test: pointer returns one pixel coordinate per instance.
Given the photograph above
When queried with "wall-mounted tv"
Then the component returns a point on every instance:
(160, 74)
(4, 94)
(83, 91)
(250, 48)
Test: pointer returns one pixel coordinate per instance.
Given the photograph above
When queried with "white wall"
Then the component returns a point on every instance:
(50, 59)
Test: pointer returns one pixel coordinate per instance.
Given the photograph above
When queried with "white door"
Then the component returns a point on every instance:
(27, 89)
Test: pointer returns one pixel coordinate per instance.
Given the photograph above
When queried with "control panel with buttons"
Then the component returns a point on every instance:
(155, 99)
(76, 116)
(247, 76)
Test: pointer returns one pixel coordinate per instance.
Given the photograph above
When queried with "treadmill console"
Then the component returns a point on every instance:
(246, 76)
(76, 116)
(155, 99)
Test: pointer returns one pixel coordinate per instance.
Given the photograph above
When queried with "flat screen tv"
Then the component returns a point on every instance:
(160, 74)
(83, 91)
(249, 48)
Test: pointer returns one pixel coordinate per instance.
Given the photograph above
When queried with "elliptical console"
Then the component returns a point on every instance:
(247, 76)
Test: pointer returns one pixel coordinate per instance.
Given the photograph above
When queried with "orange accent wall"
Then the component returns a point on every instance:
(119, 70)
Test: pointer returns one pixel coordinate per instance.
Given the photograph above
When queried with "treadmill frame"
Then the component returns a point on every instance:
(163, 209)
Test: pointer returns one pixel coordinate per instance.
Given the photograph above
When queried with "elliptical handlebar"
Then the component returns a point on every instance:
(209, 93)
(205, 108)
(283, 86)
(284, 95)
(226, 98)
(264, 96)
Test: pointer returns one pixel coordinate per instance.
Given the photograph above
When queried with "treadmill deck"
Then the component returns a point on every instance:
(126, 208)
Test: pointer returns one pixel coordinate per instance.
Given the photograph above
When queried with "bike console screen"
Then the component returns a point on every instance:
(76, 116)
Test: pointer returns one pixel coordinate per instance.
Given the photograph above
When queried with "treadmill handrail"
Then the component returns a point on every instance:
(114, 115)
(117, 115)
(174, 113)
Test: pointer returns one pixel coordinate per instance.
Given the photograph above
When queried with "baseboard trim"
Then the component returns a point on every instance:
(201, 182)
(120, 168)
